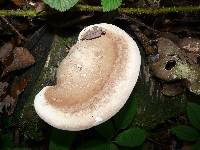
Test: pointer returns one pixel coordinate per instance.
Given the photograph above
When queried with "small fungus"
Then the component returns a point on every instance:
(94, 81)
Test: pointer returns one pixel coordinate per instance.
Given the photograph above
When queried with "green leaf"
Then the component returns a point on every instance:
(186, 133)
(193, 112)
(97, 145)
(124, 118)
(61, 140)
(131, 138)
(196, 146)
(61, 5)
(106, 129)
(109, 5)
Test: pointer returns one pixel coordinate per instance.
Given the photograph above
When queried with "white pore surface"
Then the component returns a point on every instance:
(115, 99)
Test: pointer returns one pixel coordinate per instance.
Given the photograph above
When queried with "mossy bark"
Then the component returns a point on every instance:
(153, 108)
(51, 49)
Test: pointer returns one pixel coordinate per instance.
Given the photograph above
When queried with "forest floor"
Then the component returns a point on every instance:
(169, 79)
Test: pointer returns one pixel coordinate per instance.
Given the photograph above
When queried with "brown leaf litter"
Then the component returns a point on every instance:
(15, 59)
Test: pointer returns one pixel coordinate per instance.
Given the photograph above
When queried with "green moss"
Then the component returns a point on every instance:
(185, 71)
(153, 107)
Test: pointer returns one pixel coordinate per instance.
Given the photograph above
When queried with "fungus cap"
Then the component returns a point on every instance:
(94, 81)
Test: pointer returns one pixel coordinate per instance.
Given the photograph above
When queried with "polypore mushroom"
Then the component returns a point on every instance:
(93, 82)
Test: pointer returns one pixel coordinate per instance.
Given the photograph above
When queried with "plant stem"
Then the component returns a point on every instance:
(88, 8)
(163, 10)
(13, 28)
(152, 11)
(22, 13)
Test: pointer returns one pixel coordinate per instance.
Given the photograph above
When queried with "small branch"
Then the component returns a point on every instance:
(13, 28)
(22, 13)
(136, 21)
(155, 142)
(88, 8)
(149, 10)
(163, 10)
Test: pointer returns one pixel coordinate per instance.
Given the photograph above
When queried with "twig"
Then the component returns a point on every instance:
(163, 10)
(13, 28)
(136, 21)
(150, 10)
(22, 13)
(88, 8)
(155, 142)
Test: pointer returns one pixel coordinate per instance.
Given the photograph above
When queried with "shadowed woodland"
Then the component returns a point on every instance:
(163, 111)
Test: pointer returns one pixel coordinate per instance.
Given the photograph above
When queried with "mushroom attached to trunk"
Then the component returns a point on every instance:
(93, 82)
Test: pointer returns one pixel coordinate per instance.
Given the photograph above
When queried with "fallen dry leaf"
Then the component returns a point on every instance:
(9, 101)
(18, 86)
(190, 44)
(9, 104)
(5, 51)
(20, 3)
(22, 59)
(3, 89)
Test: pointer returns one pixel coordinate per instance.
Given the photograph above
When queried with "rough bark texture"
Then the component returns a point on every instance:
(49, 50)
(153, 108)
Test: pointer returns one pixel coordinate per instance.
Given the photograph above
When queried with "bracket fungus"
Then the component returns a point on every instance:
(94, 80)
